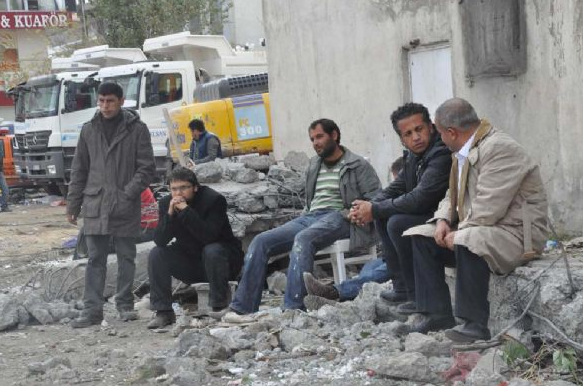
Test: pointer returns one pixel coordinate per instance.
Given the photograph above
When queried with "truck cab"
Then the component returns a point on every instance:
(56, 106)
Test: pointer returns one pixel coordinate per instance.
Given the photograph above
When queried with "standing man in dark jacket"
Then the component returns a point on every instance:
(205, 146)
(409, 200)
(113, 164)
(205, 248)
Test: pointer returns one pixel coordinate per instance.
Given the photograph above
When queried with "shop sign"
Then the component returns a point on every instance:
(34, 20)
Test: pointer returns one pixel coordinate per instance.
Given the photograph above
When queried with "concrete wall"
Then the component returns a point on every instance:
(245, 23)
(344, 60)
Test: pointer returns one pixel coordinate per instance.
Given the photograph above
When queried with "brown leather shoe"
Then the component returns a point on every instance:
(317, 288)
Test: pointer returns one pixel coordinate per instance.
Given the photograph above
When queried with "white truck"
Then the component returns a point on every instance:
(59, 104)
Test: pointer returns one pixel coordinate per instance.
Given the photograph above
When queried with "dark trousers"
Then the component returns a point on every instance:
(211, 265)
(398, 249)
(97, 250)
(471, 285)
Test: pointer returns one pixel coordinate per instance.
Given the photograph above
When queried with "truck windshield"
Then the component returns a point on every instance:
(80, 96)
(43, 100)
(131, 88)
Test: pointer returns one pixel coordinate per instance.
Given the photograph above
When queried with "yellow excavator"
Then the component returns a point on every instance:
(236, 109)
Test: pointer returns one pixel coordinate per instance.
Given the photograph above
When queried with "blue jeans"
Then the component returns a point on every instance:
(375, 270)
(303, 236)
(4, 188)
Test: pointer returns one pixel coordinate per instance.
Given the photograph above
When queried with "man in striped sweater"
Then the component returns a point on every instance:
(334, 179)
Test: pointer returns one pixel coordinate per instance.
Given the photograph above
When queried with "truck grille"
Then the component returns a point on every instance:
(37, 141)
(20, 141)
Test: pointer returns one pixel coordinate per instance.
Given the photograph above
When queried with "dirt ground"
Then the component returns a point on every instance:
(31, 237)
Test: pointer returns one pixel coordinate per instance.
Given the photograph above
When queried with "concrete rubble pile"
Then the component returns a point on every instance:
(351, 343)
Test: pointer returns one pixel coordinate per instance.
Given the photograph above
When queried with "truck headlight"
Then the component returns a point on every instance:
(52, 169)
(17, 169)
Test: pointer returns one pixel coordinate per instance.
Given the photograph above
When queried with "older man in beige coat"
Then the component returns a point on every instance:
(493, 218)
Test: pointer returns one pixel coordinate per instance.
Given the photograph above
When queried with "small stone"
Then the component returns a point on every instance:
(150, 367)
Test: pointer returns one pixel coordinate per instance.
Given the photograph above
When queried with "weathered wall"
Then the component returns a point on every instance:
(343, 59)
(245, 22)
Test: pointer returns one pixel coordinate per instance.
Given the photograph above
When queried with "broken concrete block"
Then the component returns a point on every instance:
(482, 377)
(281, 173)
(410, 365)
(244, 176)
(231, 168)
(9, 312)
(297, 160)
(196, 344)
(290, 338)
(250, 204)
(427, 345)
(209, 172)
(260, 162)
(38, 308)
(276, 282)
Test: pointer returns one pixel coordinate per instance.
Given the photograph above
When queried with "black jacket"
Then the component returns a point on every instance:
(203, 222)
(420, 185)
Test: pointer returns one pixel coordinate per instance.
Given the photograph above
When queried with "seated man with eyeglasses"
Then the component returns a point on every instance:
(205, 249)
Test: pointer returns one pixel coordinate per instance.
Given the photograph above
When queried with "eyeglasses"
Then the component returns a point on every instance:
(181, 188)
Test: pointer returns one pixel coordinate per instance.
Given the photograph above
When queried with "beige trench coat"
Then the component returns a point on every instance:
(504, 207)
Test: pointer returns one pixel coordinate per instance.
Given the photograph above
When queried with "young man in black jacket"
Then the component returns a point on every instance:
(409, 200)
(205, 249)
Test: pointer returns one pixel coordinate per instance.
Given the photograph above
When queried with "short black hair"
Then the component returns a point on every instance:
(328, 126)
(110, 88)
(183, 174)
(197, 124)
(397, 165)
(407, 110)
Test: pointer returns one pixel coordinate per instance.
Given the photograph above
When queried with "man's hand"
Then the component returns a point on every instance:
(71, 218)
(176, 204)
(449, 240)
(361, 212)
(441, 232)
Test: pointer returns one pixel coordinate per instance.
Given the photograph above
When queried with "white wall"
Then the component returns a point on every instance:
(343, 59)
(245, 22)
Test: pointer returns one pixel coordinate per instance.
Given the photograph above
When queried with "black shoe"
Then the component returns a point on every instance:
(87, 319)
(394, 296)
(317, 288)
(432, 322)
(468, 332)
(162, 319)
(5, 209)
(407, 308)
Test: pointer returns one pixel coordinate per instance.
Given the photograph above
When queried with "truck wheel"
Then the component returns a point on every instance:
(52, 189)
